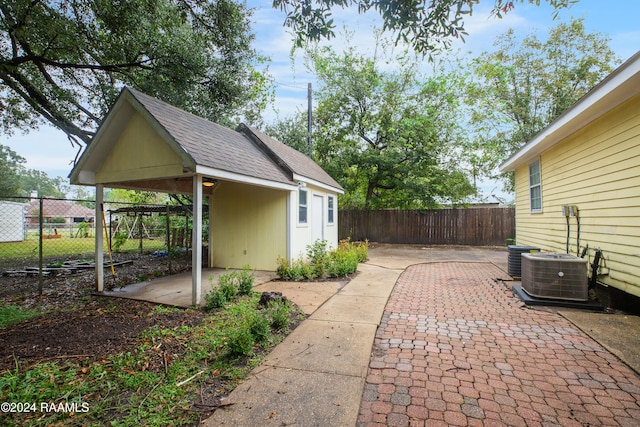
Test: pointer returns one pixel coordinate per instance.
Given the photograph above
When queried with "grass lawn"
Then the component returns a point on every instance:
(11, 314)
(66, 246)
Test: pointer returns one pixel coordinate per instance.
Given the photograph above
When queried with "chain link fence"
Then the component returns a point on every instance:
(43, 238)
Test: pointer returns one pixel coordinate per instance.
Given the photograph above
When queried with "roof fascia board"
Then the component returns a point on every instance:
(236, 177)
(319, 184)
(612, 87)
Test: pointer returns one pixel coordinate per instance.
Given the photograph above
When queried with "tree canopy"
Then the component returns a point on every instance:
(526, 83)
(389, 138)
(18, 181)
(425, 25)
(64, 61)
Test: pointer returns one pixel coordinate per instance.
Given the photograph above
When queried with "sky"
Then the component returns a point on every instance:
(49, 150)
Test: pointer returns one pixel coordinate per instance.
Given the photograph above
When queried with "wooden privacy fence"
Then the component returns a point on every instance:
(472, 226)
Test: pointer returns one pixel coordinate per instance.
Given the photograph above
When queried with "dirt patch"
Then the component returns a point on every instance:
(99, 328)
(77, 325)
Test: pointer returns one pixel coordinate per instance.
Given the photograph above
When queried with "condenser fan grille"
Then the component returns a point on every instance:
(555, 276)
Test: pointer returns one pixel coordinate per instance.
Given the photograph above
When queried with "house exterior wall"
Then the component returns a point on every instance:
(139, 153)
(302, 234)
(597, 169)
(249, 226)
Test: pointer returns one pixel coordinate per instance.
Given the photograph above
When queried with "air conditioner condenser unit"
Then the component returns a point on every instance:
(555, 276)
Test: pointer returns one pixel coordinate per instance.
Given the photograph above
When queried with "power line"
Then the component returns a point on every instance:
(291, 86)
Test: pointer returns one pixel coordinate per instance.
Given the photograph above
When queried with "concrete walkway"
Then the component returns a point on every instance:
(315, 377)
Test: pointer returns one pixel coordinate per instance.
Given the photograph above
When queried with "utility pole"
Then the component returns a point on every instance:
(309, 99)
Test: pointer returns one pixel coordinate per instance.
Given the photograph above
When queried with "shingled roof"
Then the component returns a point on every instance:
(206, 148)
(289, 158)
(212, 145)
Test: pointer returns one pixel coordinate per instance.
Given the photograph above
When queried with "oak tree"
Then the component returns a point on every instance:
(64, 61)
(388, 137)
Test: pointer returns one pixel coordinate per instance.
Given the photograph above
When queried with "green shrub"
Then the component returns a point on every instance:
(228, 287)
(298, 270)
(280, 314)
(245, 280)
(360, 248)
(259, 326)
(213, 299)
(240, 340)
(283, 269)
(320, 263)
(342, 263)
(317, 255)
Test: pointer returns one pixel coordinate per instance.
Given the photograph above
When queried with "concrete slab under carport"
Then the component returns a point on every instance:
(175, 290)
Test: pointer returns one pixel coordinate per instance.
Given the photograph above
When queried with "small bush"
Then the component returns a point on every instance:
(317, 255)
(228, 287)
(283, 270)
(280, 314)
(240, 340)
(342, 263)
(245, 280)
(360, 248)
(320, 263)
(214, 299)
(259, 326)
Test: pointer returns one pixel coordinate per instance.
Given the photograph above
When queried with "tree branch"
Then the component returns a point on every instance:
(43, 106)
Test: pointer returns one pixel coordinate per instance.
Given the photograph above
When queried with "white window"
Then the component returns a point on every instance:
(302, 206)
(535, 189)
(330, 201)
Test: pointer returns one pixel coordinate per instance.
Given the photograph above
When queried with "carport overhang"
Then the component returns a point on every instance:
(187, 185)
(178, 173)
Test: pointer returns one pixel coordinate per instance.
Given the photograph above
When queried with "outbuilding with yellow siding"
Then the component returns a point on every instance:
(266, 200)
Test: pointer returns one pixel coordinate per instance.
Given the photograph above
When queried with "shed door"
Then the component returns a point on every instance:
(317, 218)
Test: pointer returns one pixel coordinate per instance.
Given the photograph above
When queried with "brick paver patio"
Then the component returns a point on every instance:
(456, 348)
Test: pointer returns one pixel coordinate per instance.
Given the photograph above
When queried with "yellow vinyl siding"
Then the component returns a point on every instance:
(139, 153)
(597, 169)
(249, 226)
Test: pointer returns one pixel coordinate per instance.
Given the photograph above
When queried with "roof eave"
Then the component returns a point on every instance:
(245, 179)
(315, 183)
